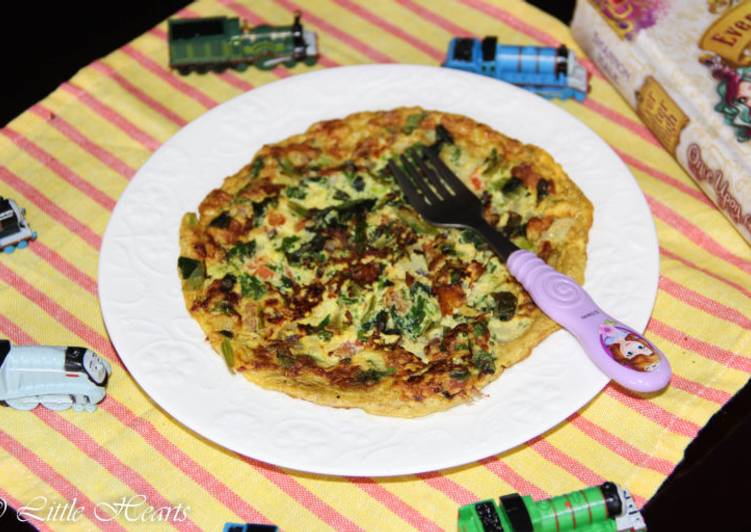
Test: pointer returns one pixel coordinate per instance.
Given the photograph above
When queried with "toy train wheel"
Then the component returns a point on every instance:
(9, 249)
(22, 244)
(240, 67)
(203, 69)
(310, 61)
(55, 406)
(266, 65)
(218, 68)
(22, 405)
(184, 70)
(290, 64)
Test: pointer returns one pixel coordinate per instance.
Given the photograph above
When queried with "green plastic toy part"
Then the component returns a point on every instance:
(604, 508)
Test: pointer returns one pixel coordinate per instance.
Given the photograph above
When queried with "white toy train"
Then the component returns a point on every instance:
(57, 377)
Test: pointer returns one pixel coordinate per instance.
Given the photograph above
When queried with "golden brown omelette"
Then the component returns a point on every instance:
(311, 274)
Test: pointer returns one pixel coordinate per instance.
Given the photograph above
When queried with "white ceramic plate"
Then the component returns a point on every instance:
(165, 350)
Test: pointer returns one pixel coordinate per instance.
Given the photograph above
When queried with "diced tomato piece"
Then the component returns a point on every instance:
(264, 272)
(476, 183)
(276, 218)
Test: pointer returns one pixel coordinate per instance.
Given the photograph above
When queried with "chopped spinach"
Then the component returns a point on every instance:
(492, 163)
(287, 243)
(512, 185)
(484, 362)
(222, 221)
(358, 183)
(287, 168)
(242, 251)
(514, 226)
(256, 167)
(373, 375)
(412, 122)
(341, 195)
(505, 305)
(187, 266)
(252, 286)
(543, 189)
(459, 374)
(297, 192)
(442, 136)
(227, 334)
(471, 237)
(413, 322)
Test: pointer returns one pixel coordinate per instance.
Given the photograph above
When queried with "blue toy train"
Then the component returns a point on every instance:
(549, 72)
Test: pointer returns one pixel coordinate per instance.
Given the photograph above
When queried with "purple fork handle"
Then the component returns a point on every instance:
(620, 352)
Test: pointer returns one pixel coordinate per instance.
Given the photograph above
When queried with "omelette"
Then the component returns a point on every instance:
(310, 273)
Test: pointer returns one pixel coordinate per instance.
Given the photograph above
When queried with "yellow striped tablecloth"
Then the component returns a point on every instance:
(69, 157)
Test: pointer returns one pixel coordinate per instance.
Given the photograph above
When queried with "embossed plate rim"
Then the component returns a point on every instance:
(166, 354)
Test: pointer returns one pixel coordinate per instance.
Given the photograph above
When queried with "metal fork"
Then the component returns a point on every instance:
(618, 350)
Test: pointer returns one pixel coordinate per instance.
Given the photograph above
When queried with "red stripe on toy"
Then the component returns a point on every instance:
(154, 105)
(84, 142)
(112, 116)
(45, 204)
(59, 168)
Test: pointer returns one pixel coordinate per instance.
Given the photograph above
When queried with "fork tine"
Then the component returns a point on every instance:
(406, 185)
(453, 183)
(442, 190)
(420, 184)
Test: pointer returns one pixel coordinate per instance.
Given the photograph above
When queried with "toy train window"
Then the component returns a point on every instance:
(489, 48)
(74, 358)
(8, 220)
(463, 50)
(198, 28)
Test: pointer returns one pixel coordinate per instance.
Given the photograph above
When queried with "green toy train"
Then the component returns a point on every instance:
(217, 43)
(604, 508)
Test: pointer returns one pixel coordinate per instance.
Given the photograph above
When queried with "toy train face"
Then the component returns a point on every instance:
(14, 230)
(219, 42)
(549, 72)
(57, 377)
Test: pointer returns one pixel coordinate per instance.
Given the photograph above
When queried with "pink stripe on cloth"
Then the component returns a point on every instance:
(705, 392)
(46, 473)
(45, 204)
(165, 75)
(68, 269)
(59, 168)
(453, 490)
(496, 466)
(355, 43)
(632, 125)
(76, 136)
(109, 114)
(150, 102)
(672, 218)
(374, 19)
(619, 446)
(113, 116)
(665, 178)
(669, 254)
(43, 301)
(215, 487)
(301, 494)
(655, 413)
(700, 347)
(152, 437)
(110, 462)
(704, 303)
(438, 20)
(395, 504)
(9, 500)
